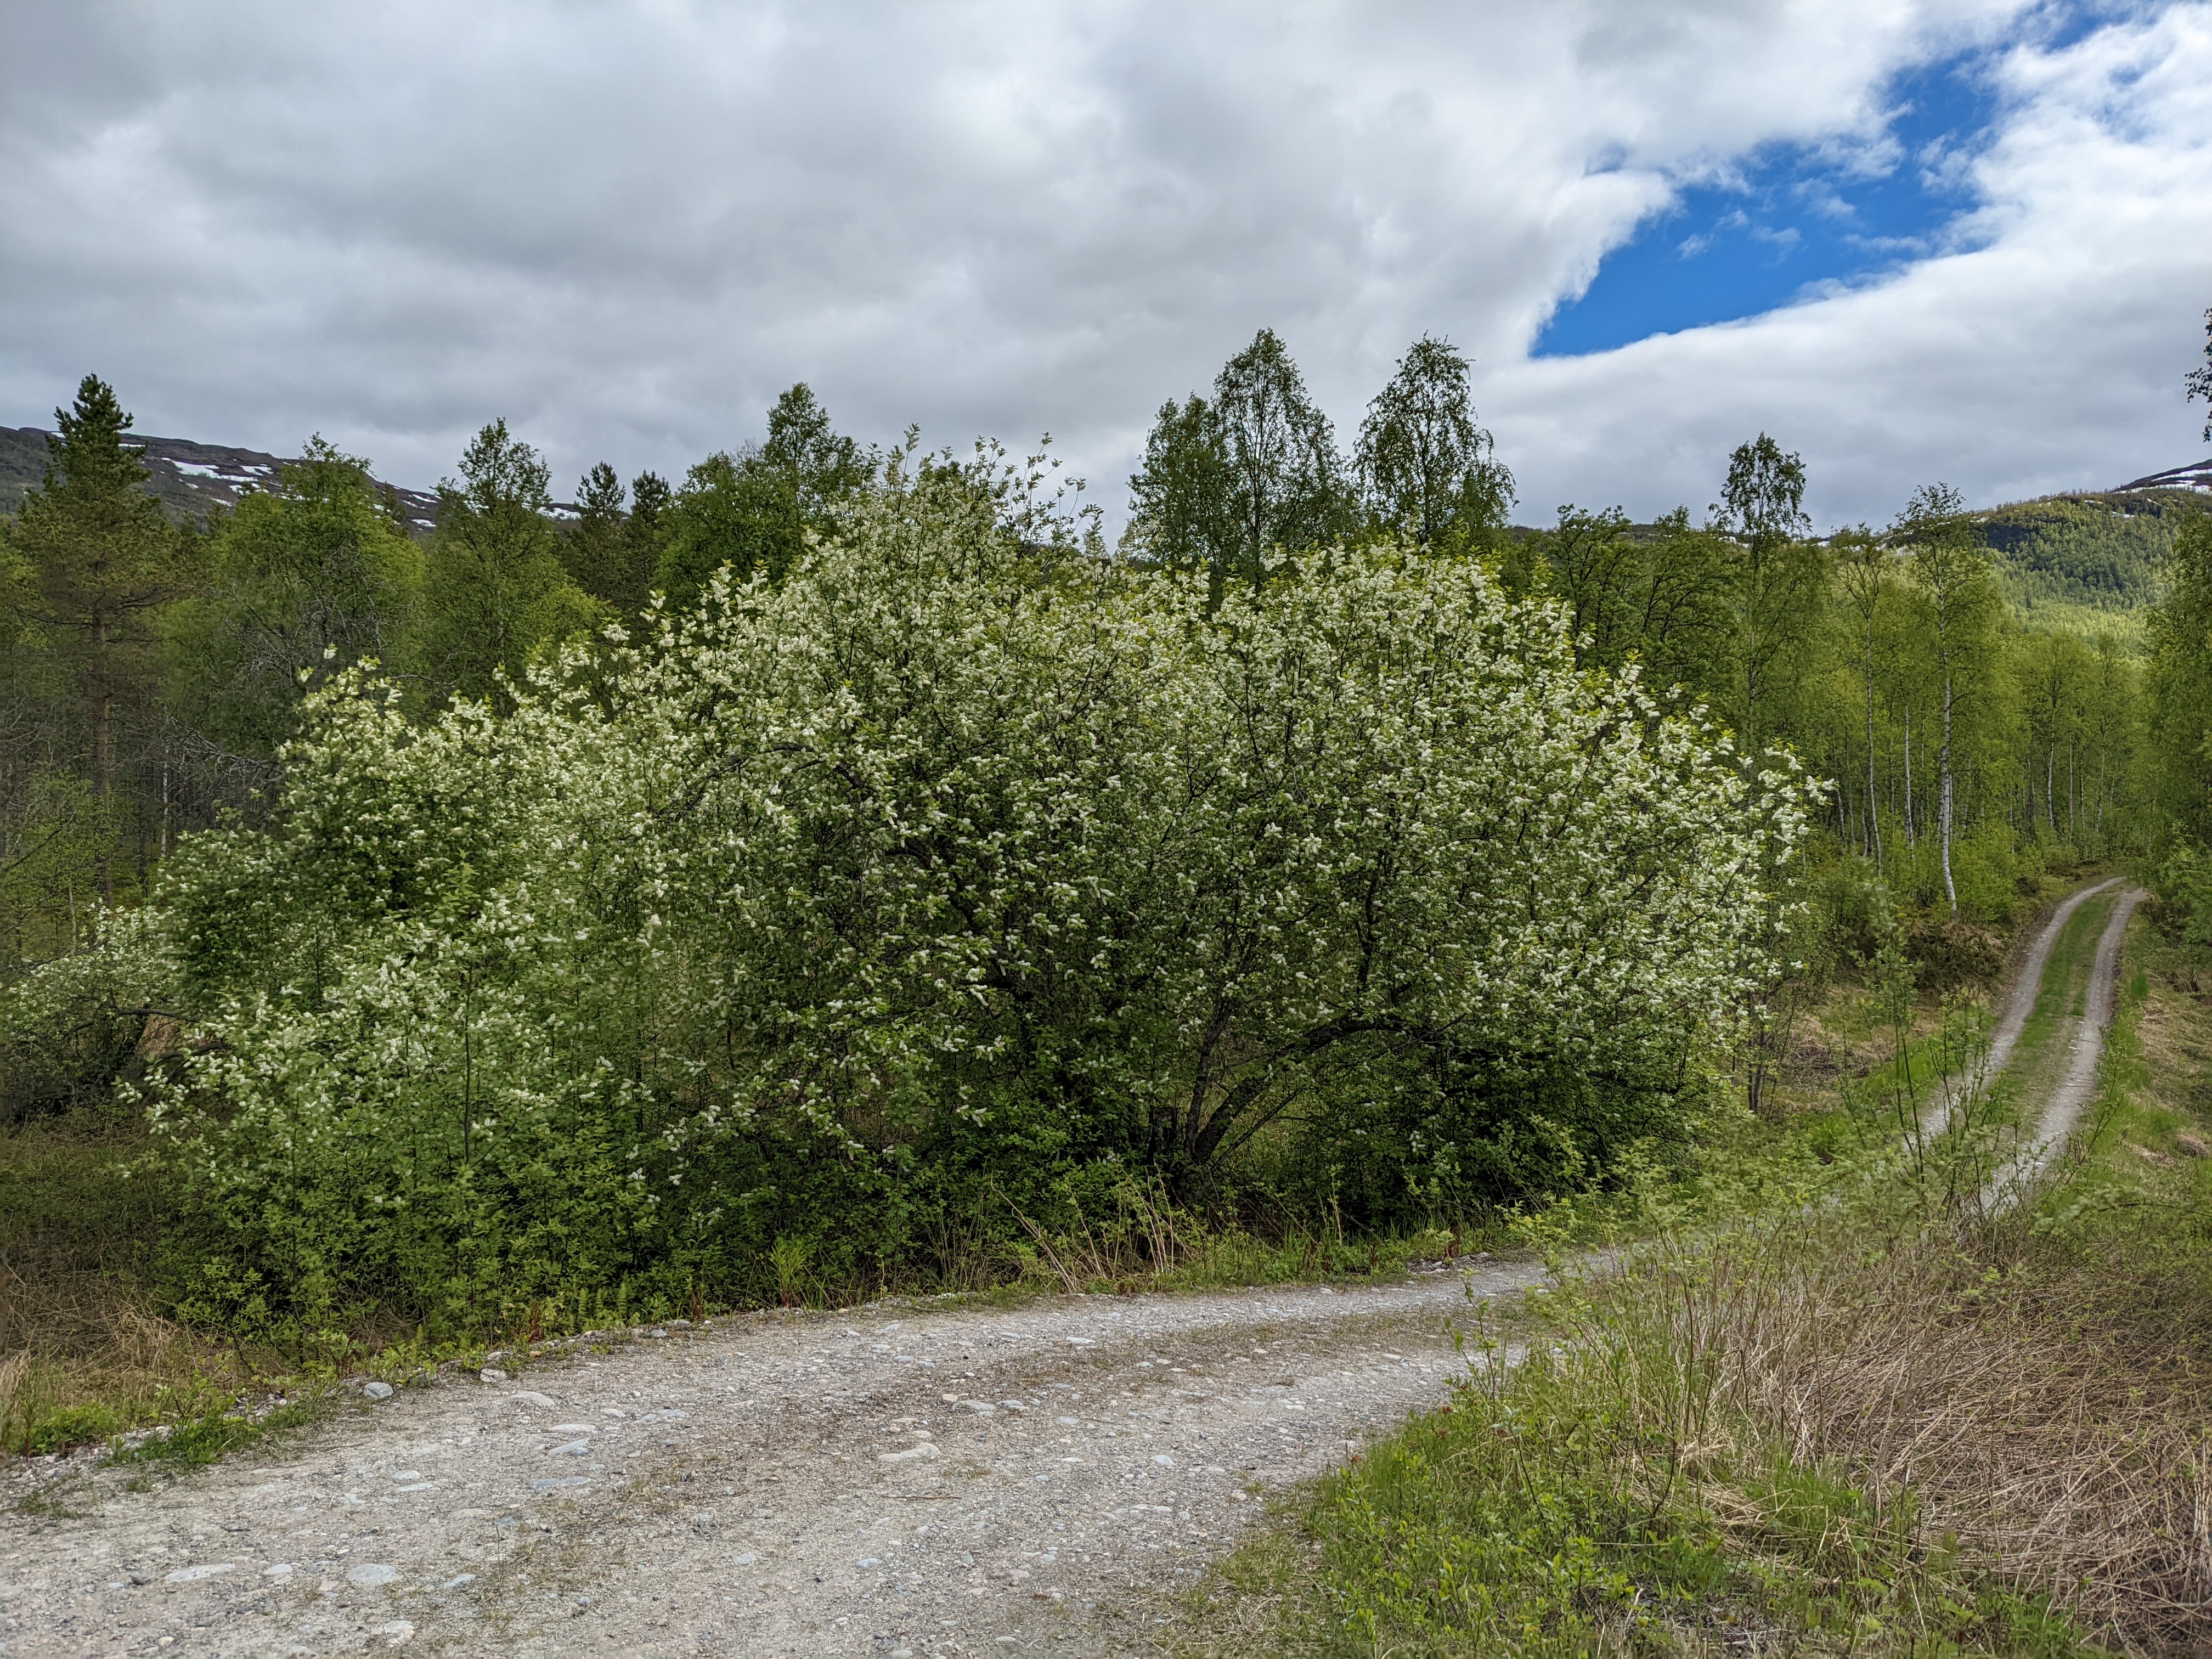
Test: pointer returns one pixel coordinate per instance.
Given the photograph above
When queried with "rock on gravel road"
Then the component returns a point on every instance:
(884, 1480)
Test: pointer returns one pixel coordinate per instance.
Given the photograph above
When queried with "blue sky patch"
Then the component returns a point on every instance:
(1790, 215)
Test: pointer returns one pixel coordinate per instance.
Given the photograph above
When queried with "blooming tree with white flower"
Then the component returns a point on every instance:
(952, 865)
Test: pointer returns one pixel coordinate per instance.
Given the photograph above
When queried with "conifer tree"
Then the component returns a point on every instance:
(102, 559)
(596, 550)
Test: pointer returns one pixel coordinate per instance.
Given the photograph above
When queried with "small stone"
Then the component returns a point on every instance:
(458, 1580)
(377, 1390)
(1081, 1342)
(543, 1402)
(282, 1570)
(492, 1374)
(574, 1448)
(193, 1575)
(369, 1575)
(408, 1474)
(745, 1559)
(1163, 1459)
(2193, 1144)
(395, 1633)
(1066, 1422)
(911, 1454)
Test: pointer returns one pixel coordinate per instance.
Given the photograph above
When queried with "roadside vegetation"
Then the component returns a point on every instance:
(1832, 1402)
(842, 874)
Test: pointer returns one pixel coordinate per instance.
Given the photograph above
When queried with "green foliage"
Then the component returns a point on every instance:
(72, 1426)
(1227, 485)
(71, 1031)
(944, 867)
(91, 564)
(301, 582)
(2180, 683)
(602, 550)
(2101, 553)
(494, 591)
(1661, 597)
(1429, 471)
(1179, 498)
(210, 1437)
(754, 514)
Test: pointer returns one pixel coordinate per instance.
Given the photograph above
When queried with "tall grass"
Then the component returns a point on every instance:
(1879, 1419)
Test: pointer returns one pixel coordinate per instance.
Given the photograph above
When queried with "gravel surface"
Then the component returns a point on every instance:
(884, 1480)
(889, 1480)
(2085, 1047)
(2021, 999)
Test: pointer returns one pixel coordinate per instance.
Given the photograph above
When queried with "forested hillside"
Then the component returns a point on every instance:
(546, 904)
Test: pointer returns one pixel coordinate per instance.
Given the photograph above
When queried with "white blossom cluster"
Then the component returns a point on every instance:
(947, 848)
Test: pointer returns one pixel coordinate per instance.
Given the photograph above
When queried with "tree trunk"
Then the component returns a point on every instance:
(1943, 812)
(1912, 834)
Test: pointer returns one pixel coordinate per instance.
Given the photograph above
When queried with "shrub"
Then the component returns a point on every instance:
(1951, 952)
(71, 1031)
(908, 890)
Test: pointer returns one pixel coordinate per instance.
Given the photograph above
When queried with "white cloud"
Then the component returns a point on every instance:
(625, 228)
(2046, 352)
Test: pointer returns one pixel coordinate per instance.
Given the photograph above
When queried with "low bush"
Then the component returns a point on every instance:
(1949, 951)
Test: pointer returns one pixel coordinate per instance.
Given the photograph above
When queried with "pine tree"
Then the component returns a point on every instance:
(103, 561)
(596, 547)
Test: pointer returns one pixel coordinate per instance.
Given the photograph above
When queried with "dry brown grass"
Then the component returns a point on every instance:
(78, 1316)
(2032, 1386)
(2001, 1403)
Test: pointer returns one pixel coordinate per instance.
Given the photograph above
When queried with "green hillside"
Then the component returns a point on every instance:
(2087, 563)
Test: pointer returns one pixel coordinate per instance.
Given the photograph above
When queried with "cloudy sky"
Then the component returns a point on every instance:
(1966, 239)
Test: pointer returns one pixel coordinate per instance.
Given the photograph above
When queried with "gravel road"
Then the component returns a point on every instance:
(884, 1480)
(2085, 1047)
(893, 1480)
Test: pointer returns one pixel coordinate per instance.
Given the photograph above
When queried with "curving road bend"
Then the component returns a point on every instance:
(883, 1482)
(889, 1480)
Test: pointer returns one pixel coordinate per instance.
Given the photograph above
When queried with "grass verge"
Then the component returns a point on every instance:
(1882, 1423)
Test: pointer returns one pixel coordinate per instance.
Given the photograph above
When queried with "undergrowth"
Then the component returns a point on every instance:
(1852, 1409)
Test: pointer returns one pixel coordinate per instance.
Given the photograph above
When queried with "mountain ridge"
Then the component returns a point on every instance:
(188, 478)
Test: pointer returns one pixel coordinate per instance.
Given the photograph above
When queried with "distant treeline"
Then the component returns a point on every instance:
(153, 669)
